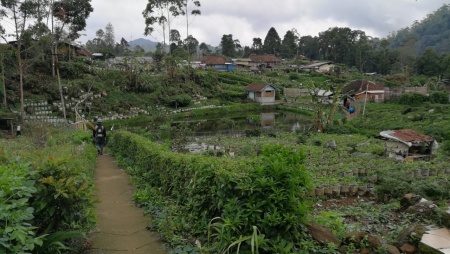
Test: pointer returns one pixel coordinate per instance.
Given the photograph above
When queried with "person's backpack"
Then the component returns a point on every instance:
(99, 131)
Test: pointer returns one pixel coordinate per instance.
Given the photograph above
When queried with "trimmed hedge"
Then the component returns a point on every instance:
(267, 192)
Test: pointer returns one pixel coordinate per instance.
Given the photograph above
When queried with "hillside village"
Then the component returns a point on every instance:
(338, 143)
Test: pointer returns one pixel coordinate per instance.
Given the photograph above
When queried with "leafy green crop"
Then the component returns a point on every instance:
(17, 233)
(46, 203)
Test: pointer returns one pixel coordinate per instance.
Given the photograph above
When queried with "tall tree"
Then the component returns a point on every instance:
(190, 43)
(2, 58)
(123, 47)
(445, 64)
(429, 64)
(257, 45)
(381, 58)
(172, 48)
(309, 47)
(272, 42)
(21, 13)
(109, 36)
(161, 13)
(227, 45)
(247, 51)
(3, 52)
(289, 45)
(190, 8)
(238, 47)
(175, 36)
(72, 14)
(204, 49)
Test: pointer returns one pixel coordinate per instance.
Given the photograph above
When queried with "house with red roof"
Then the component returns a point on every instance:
(409, 145)
(361, 90)
(264, 61)
(261, 92)
(217, 62)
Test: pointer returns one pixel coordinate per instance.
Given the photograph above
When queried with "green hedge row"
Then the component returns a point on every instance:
(267, 193)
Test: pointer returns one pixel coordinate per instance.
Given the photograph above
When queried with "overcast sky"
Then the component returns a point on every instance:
(248, 19)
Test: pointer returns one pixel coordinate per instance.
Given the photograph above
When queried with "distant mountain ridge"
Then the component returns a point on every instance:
(149, 45)
(432, 32)
(146, 44)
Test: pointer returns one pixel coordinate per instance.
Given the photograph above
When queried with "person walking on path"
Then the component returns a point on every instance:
(99, 135)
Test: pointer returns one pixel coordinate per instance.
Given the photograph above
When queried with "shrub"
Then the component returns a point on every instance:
(179, 100)
(232, 196)
(253, 133)
(439, 97)
(293, 76)
(413, 99)
(272, 74)
(72, 69)
(17, 234)
(55, 195)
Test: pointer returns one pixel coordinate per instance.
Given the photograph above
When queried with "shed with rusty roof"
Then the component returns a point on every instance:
(407, 144)
(261, 92)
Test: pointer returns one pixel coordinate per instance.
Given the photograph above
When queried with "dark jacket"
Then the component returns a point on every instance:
(99, 132)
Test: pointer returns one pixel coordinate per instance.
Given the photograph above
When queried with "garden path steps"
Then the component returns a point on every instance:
(121, 226)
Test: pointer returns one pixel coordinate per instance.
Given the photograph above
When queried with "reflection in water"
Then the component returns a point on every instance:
(277, 121)
(267, 119)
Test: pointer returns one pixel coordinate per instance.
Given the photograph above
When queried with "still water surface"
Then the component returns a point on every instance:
(276, 121)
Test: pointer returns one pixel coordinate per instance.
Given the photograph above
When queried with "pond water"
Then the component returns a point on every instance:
(238, 123)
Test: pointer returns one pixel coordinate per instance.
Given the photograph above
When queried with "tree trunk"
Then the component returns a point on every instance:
(4, 82)
(60, 87)
(19, 61)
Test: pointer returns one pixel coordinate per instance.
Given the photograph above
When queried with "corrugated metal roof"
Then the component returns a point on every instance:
(314, 65)
(409, 135)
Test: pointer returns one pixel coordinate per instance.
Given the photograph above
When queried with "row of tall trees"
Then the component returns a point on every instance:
(37, 27)
(105, 42)
(159, 16)
(399, 51)
(341, 45)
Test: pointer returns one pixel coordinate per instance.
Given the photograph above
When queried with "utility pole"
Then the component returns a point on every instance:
(365, 99)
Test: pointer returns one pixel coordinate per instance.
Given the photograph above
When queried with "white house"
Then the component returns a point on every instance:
(260, 92)
(318, 67)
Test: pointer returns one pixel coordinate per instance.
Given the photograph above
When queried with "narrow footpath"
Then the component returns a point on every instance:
(122, 226)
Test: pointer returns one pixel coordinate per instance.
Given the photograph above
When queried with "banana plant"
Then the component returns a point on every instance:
(324, 110)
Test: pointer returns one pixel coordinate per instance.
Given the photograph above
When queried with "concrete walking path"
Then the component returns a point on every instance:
(122, 226)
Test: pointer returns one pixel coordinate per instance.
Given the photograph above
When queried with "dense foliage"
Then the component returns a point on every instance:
(188, 194)
(46, 199)
(431, 32)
